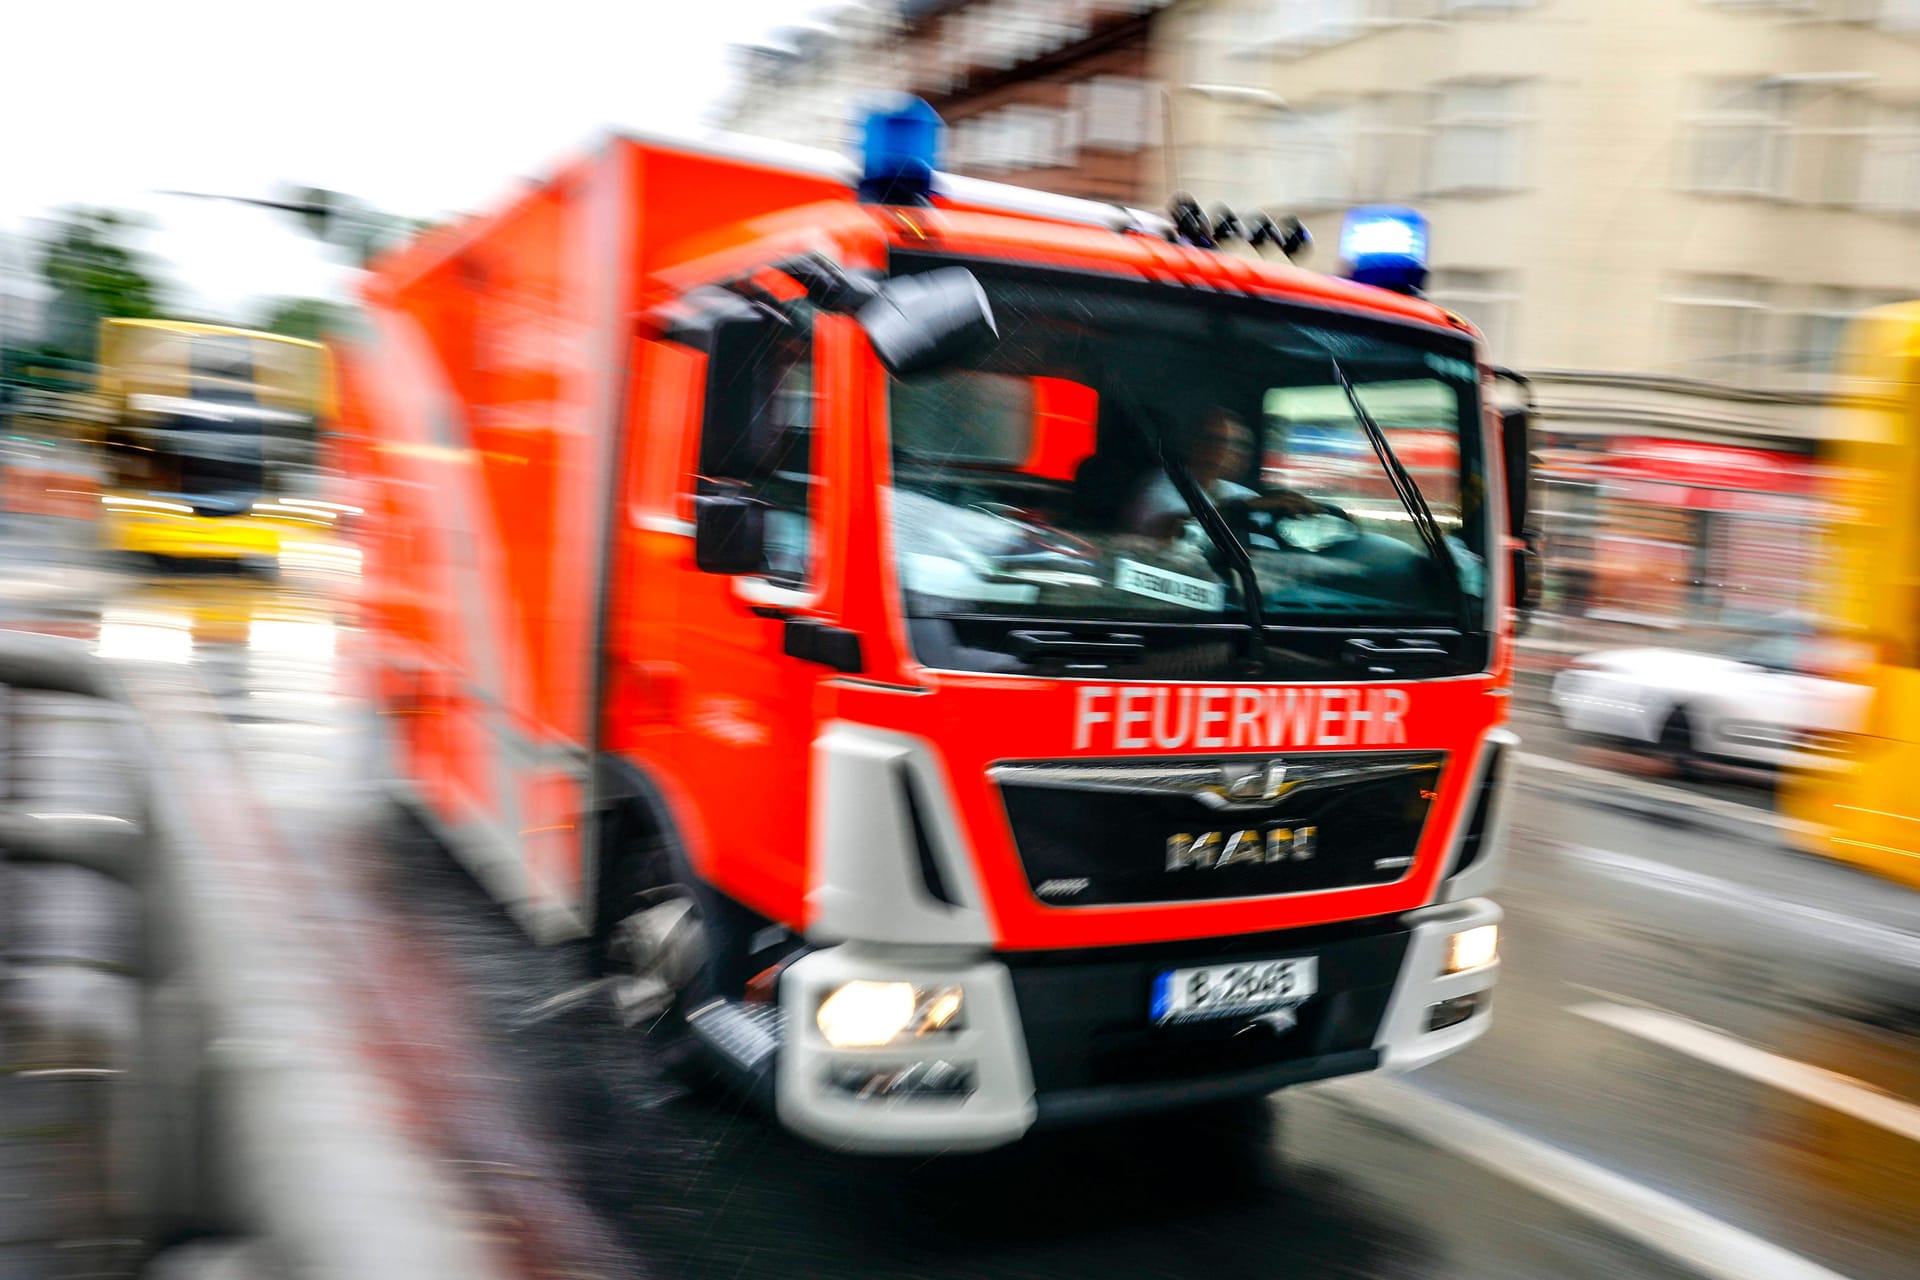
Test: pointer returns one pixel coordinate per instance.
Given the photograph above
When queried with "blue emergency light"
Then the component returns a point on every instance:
(1385, 245)
(902, 151)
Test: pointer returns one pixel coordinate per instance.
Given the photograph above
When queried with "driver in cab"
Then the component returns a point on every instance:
(1223, 448)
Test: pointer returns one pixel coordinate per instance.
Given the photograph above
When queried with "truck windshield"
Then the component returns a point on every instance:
(1045, 499)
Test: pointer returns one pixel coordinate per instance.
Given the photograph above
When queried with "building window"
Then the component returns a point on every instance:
(1739, 140)
(1311, 157)
(1477, 135)
(1305, 22)
(1773, 6)
(1828, 143)
(1299, 25)
(1890, 166)
(1819, 326)
(1389, 146)
(1213, 40)
(1898, 15)
(1823, 318)
(966, 145)
(1882, 13)
(1117, 113)
(1484, 297)
(1720, 324)
(1018, 137)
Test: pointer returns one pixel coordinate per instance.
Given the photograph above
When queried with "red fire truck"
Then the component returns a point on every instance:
(880, 610)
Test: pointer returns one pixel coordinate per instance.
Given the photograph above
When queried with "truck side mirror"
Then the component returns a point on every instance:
(935, 320)
(729, 533)
(1516, 446)
(916, 323)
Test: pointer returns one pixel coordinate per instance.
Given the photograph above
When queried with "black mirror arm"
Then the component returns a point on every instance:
(760, 297)
(829, 287)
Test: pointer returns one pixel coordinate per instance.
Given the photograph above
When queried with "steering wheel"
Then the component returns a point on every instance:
(1047, 537)
(1315, 534)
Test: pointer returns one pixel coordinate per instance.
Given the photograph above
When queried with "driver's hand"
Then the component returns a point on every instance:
(1285, 502)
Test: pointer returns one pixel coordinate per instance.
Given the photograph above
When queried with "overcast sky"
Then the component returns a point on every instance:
(422, 108)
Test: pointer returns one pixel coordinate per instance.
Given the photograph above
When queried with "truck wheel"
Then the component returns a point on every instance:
(650, 935)
(1677, 746)
(670, 947)
(657, 960)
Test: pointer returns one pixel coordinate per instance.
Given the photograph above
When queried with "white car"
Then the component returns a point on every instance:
(1760, 706)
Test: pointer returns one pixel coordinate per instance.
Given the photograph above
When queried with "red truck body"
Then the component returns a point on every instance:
(925, 814)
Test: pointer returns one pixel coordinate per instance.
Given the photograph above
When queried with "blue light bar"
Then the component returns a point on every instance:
(1385, 245)
(902, 151)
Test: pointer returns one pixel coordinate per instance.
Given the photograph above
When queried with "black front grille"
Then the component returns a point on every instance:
(1088, 1023)
(1108, 845)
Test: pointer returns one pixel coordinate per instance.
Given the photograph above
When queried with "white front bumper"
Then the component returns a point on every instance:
(1403, 1040)
(989, 1045)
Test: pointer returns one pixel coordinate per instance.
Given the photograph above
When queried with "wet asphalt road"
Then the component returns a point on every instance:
(1705, 1057)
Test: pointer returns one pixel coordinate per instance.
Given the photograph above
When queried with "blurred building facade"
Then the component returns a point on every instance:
(22, 295)
(1664, 211)
(1053, 94)
(805, 85)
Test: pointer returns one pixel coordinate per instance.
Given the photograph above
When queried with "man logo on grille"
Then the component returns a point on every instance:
(1213, 850)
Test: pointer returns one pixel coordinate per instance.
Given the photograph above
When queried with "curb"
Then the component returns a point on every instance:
(247, 1108)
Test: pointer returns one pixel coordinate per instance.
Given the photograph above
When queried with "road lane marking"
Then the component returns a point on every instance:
(1661, 791)
(1670, 1227)
(1816, 1084)
(1861, 937)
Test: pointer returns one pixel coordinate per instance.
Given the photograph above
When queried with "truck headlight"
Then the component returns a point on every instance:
(872, 1015)
(1473, 948)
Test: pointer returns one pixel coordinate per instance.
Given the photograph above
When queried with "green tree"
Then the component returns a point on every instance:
(311, 318)
(95, 273)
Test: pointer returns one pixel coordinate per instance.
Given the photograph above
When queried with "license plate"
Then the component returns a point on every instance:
(1224, 990)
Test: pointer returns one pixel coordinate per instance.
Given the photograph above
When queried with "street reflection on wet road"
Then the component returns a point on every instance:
(703, 1186)
(625, 1165)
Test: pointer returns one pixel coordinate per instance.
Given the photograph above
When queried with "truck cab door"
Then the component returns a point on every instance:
(761, 574)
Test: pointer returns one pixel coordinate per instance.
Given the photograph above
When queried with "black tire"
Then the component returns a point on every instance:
(642, 872)
(1677, 746)
(637, 863)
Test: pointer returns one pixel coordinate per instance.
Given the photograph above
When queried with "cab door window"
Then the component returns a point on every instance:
(758, 441)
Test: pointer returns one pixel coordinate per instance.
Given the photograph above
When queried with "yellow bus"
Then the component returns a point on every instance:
(1866, 811)
(212, 445)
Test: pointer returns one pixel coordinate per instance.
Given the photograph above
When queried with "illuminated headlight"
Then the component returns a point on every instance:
(872, 1015)
(1473, 948)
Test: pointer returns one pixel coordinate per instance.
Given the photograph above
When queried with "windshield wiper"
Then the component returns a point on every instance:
(1214, 525)
(1409, 493)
